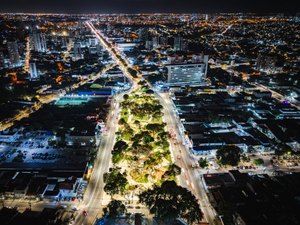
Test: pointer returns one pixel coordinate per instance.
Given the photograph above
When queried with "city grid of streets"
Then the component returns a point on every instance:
(275, 107)
(95, 199)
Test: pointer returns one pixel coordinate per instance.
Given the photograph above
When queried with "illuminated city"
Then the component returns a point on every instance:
(153, 119)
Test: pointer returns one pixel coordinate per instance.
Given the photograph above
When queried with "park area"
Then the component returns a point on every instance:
(141, 155)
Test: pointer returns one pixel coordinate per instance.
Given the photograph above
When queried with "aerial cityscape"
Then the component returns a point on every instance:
(149, 118)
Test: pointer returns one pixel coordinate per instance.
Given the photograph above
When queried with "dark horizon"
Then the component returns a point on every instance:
(147, 6)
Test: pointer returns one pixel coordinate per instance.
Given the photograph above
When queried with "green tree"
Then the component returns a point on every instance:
(132, 72)
(155, 127)
(172, 171)
(117, 152)
(170, 201)
(121, 121)
(114, 208)
(229, 155)
(147, 138)
(115, 182)
(203, 163)
(117, 157)
(149, 92)
(125, 97)
(258, 162)
(120, 146)
(283, 149)
(142, 82)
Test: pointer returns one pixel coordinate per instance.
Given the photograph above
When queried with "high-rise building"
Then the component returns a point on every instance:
(2, 60)
(33, 71)
(37, 41)
(163, 41)
(99, 49)
(177, 43)
(149, 45)
(155, 41)
(64, 42)
(77, 53)
(93, 41)
(143, 34)
(188, 73)
(13, 53)
(198, 58)
(180, 44)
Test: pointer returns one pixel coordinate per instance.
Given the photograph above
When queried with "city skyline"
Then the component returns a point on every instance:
(145, 119)
(148, 6)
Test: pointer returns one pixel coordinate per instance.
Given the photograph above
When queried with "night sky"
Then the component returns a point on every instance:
(140, 6)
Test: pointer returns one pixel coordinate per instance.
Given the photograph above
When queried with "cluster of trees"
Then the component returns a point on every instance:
(132, 72)
(142, 107)
(114, 208)
(172, 172)
(170, 201)
(146, 108)
(115, 182)
(142, 137)
(147, 143)
(258, 162)
(229, 155)
(155, 128)
(203, 163)
(284, 149)
(118, 151)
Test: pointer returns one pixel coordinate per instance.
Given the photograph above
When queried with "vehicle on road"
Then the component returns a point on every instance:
(84, 212)
(74, 208)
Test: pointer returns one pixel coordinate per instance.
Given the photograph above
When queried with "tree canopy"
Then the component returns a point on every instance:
(114, 208)
(115, 182)
(229, 155)
(258, 161)
(120, 146)
(170, 201)
(203, 163)
(125, 96)
(283, 149)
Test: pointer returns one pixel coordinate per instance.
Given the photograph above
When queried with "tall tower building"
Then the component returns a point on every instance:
(77, 53)
(163, 41)
(93, 41)
(33, 71)
(188, 73)
(143, 34)
(38, 41)
(180, 44)
(155, 41)
(2, 61)
(149, 45)
(99, 49)
(13, 53)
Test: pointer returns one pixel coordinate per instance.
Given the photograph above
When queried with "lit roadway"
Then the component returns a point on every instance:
(93, 200)
(45, 99)
(114, 52)
(189, 178)
(279, 97)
